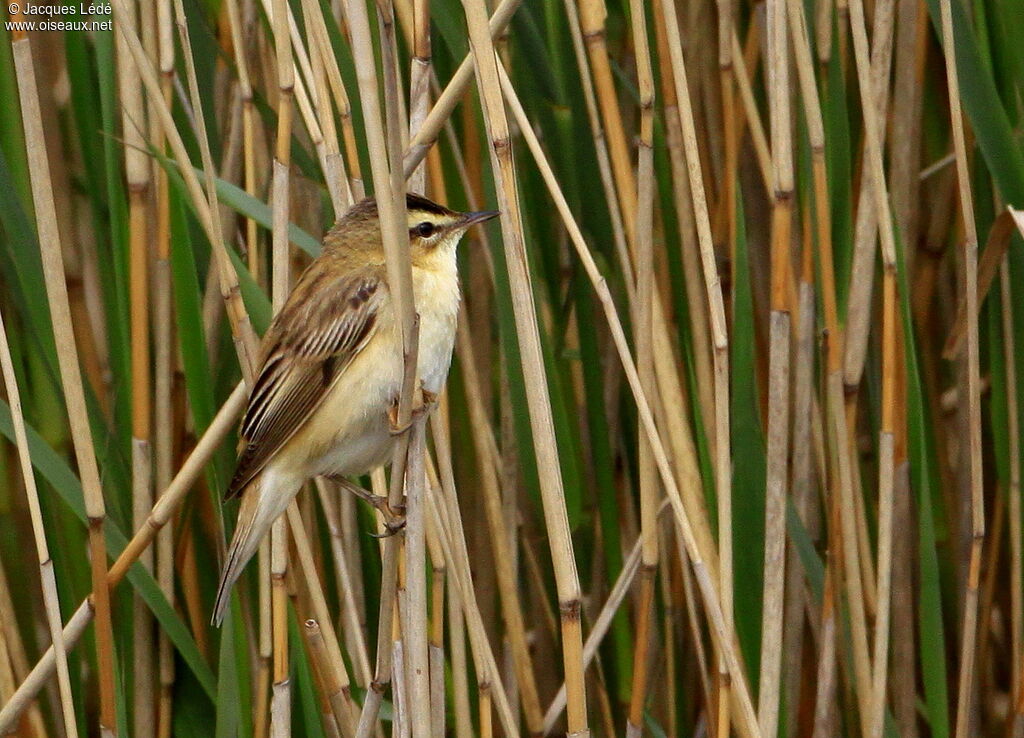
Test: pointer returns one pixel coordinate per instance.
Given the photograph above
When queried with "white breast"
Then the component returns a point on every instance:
(437, 300)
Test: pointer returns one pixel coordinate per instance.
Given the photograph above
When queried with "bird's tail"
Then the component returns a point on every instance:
(263, 500)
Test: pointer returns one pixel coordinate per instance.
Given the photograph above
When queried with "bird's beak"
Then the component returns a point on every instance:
(474, 218)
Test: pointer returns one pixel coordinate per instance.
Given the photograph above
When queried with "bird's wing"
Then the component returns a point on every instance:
(324, 324)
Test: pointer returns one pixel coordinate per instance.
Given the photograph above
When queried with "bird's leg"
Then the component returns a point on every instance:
(394, 517)
(397, 429)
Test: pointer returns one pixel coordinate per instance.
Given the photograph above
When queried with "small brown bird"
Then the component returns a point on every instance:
(331, 366)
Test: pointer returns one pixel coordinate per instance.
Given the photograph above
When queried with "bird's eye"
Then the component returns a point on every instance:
(425, 229)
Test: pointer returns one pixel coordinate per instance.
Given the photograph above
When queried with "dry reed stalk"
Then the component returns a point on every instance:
(746, 719)
(161, 514)
(592, 15)
(206, 207)
(862, 273)
(420, 75)
(907, 112)
(14, 665)
(333, 671)
(602, 623)
(870, 107)
(414, 630)
(444, 517)
(163, 336)
(972, 390)
(435, 645)
(137, 173)
(511, 607)
(539, 405)
(349, 617)
(1014, 491)
(720, 343)
(445, 103)
(643, 255)
(696, 301)
(70, 373)
(779, 362)
(996, 246)
(459, 667)
(240, 47)
(344, 188)
(751, 114)
(319, 660)
(600, 148)
(280, 703)
(389, 188)
(47, 578)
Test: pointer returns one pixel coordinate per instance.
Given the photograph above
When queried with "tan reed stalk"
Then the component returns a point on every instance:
(907, 112)
(389, 187)
(137, 173)
(414, 631)
(14, 663)
(281, 697)
(972, 390)
(592, 15)
(163, 336)
(746, 718)
(162, 511)
(858, 321)
(695, 299)
(1005, 225)
(356, 643)
(803, 479)
(70, 373)
(420, 76)
(601, 148)
(334, 673)
(444, 517)
(431, 127)
(48, 581)
(716, 315)
(779, 362)
(511, 607)
(539, 407)
(328, 83)
(874, 169)
(435, 645)
(407, 460)
(751, 114)
(602, 623)
(864, 248)
(643, 254)
(318, 658)
(459, 667)
(238, 42)
(206, 207)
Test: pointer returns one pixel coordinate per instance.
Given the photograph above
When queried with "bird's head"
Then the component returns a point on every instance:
(434, 230)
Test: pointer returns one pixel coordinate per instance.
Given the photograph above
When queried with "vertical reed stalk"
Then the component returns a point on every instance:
(280, 706)
(162, 511)
(777, 478)
(545, 445)
(137, 169)
(47, 578)
(71, 377)
(163, 335)
(972, 392)
(1014, 488)
(643, 253)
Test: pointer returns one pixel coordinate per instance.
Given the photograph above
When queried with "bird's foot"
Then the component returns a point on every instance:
(394, 516)
(396, 428)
